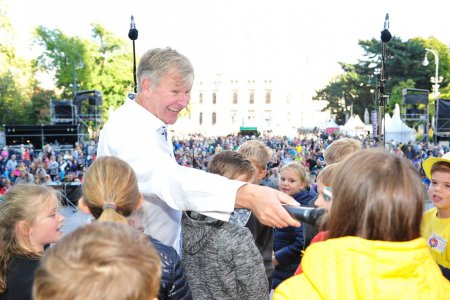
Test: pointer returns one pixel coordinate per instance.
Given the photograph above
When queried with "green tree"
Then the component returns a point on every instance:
(39, 108)
(359, 85)
(107, 63)
(16, 77)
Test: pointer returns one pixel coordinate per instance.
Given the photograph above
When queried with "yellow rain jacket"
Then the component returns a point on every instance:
(355, 268)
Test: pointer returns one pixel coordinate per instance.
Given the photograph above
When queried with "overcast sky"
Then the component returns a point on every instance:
(289, 39)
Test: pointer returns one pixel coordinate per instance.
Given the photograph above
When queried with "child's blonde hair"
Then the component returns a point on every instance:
(340, 149)
(99, 261)
(257, 152)
(23, 202)
(110, 189)
(300, 170)
(326, 175)
(230, 164)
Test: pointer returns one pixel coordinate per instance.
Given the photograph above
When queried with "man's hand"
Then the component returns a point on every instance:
(266, 204)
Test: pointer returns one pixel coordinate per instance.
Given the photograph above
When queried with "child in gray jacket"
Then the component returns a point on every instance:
(220, 258)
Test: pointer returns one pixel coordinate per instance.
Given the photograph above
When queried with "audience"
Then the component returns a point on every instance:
(336, 165)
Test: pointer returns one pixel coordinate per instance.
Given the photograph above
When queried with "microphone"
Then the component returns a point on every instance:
(133, 33)
(385, 34)
(305, 214)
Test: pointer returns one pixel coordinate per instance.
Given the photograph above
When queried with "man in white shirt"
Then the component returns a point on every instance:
(136, 132)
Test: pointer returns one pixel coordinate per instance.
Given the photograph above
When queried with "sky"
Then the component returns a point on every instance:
(298, 42)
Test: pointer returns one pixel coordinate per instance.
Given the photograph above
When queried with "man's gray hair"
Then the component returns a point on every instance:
(156, 63)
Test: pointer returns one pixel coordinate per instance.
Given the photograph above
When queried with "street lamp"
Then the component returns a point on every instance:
(434, 79)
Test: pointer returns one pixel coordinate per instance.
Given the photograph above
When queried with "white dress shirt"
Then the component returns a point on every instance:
(134, 134)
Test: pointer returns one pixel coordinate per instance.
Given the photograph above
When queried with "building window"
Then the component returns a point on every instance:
(213, 118)
(268, 96)
(200, 118)
(200, 98)
(235, 97)
(252, 97)
(214, 98)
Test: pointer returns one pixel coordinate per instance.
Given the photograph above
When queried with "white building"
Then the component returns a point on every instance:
(222, 105)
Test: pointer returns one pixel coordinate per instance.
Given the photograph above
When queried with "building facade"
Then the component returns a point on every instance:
(222, 105)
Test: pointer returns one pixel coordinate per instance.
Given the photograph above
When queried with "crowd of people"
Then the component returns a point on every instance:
(205, 218)
(25, 164)
(50, 165)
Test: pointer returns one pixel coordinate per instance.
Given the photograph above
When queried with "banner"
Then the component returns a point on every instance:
(374, 119)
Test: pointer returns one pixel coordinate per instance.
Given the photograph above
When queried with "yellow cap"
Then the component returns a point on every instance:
(429, 162)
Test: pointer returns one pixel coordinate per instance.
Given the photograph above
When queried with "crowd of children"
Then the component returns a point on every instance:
(375, 241)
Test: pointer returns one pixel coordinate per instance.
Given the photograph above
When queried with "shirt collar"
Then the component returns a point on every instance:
(152, 121)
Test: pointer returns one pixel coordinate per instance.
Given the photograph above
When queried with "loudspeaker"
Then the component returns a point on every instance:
(96, 99)
(415, 99)
(62, 109)
(443, 115)
(415, 96)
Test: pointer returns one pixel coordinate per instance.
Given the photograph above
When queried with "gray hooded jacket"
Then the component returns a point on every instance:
(221, 260)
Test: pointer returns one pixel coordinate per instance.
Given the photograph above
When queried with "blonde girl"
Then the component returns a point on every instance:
(111, 194)
(29, 220)
(289, 241)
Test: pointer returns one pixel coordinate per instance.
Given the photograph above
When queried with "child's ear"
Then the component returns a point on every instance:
(23, 228)
(83, 206)
(140, 201)
(262, 174)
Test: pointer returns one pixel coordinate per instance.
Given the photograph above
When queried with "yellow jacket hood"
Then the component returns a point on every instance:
(355, 268)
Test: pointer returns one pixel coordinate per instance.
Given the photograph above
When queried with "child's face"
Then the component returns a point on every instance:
(439, 190)
(290, 182)
(47, 227)
(321, 202)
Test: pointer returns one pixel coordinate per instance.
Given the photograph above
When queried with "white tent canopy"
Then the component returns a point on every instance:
(354, 127)
(328, 124)
(396, 130)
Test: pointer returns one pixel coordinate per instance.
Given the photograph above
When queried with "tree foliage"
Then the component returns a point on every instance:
(106, 63)
(17, 77)
(359, 85)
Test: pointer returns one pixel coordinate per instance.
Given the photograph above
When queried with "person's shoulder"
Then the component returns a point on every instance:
(121, 110)
(236, 233)
(429, 214)
(23, 263)
(162, 248)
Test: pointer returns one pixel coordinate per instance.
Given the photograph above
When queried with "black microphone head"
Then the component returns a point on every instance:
(133, 33)
(385, 36)
(305, 214)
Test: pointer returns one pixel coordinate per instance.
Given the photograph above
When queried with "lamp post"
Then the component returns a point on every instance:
(434, 79)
